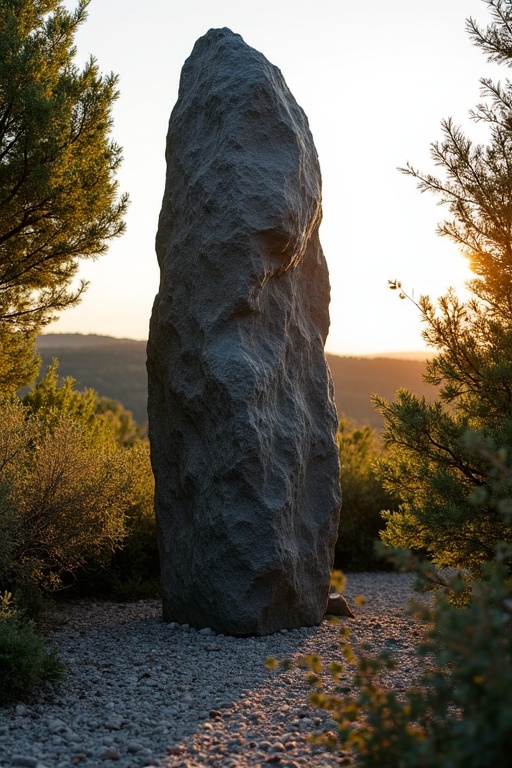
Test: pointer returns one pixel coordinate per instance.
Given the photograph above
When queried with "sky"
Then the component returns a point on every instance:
(375, 78)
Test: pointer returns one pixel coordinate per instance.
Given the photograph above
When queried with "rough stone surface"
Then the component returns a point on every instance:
(338, 606)
(241, 412)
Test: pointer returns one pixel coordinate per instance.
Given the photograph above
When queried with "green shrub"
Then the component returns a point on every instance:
(7, 608)
(69, 495)
(120, 420)
(75, 479)
(136, 566)
(363, 498)
(460, 711)
(75, 485)
(9, 524)
(24, 662)
(456, 491)
(427, 459)
(428, 462)
(132, 572)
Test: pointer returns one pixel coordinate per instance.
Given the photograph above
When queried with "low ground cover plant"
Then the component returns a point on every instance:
(25, 664)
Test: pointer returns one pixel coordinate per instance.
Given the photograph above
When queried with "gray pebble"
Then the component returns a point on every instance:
(133, 748)
(138, 692)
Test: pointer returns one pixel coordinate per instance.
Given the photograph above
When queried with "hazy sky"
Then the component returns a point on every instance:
(375, 78)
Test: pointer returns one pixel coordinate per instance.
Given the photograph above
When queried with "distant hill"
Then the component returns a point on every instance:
(415, 354)
(356, 379)
(116, 368)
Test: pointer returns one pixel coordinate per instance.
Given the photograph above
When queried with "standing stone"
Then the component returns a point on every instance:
(241, 412)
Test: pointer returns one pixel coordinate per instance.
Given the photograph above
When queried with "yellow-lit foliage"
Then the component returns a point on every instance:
(75, 482)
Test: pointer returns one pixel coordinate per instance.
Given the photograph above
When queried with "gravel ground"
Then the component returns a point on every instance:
(138, 692)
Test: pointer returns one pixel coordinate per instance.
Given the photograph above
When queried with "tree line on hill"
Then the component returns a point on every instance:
(116, 368)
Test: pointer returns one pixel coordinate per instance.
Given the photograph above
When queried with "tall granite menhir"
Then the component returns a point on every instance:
(241, 412)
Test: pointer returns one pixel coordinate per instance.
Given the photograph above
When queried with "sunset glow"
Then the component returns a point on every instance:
(375, 80)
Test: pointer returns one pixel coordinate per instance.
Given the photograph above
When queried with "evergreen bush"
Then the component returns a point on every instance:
(363, 498)
(427, 459)
(25, 664)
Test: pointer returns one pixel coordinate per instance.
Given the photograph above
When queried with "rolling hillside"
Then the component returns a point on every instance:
(116, 368)
(357, 378)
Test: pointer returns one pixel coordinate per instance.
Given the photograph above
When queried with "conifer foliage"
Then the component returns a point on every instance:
(59, 200)
(443, 483)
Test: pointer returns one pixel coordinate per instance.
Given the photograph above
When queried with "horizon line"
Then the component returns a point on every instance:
(413, 354)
